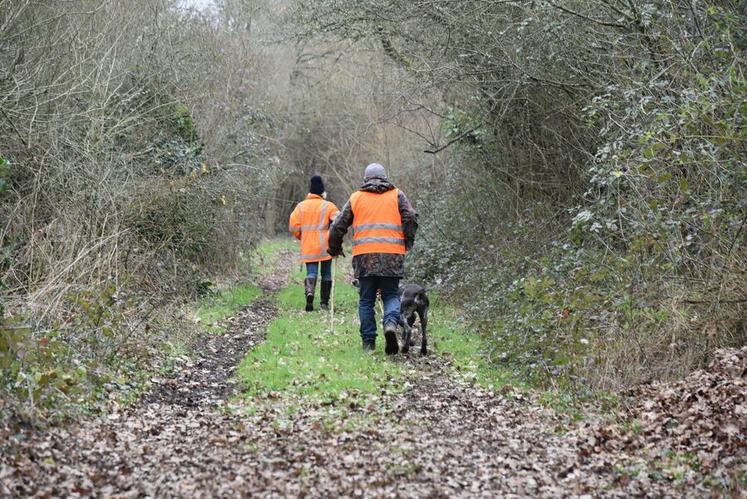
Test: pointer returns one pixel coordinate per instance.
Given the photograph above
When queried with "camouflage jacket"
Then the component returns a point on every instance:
(376, 264)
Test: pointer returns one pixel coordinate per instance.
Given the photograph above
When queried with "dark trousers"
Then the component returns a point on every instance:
(389, 287)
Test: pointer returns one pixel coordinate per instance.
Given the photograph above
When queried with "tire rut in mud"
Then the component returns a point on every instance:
(206, 380)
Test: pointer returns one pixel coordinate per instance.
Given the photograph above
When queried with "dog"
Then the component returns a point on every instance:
(413, 302)
(414, 305)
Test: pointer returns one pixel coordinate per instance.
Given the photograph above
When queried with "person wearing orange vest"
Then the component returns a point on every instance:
(309, 223)
(383, 224)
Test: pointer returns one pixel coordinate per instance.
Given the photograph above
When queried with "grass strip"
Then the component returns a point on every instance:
(213, 309)
(225, 303)
(303, 356)
(449, 335)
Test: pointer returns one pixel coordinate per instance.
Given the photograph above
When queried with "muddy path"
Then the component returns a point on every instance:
(441, 436)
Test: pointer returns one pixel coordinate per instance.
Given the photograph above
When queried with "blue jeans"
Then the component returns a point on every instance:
(312, 270)
(389, 287)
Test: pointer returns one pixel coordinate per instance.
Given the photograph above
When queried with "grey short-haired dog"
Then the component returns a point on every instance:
(413, 302)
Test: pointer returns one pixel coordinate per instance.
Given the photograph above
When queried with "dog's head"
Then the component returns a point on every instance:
(412, 297)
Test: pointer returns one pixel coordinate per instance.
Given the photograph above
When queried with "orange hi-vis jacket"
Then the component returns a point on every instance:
(309, 222)
(377, 223)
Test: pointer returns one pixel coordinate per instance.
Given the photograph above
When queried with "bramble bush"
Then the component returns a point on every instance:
(125, 185)
(640, 273)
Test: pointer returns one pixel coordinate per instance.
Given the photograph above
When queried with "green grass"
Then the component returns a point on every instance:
(267, 256)
(225, 303)
(447, 332)
(304, 356)
(213, 309)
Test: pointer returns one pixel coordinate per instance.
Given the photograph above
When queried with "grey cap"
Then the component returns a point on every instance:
(374, 170)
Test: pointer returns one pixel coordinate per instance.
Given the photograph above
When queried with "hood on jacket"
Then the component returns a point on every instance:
(377, 185)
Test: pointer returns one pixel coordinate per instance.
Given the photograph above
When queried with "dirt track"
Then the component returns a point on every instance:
(441, 437)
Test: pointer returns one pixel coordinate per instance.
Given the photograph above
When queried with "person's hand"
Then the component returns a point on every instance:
(336, 252)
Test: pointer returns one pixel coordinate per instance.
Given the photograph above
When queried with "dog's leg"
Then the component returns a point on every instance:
(423, 313)
(410, 322)
(408, 333)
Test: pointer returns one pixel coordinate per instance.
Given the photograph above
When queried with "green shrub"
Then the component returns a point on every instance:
(638, 275)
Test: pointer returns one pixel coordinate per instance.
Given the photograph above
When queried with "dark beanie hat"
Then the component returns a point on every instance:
(316, 186)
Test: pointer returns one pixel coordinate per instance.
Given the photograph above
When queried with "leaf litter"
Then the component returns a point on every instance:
(442, 436)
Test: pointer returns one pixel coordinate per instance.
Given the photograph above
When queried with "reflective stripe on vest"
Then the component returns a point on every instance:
(376, 226)
(365, 240)
(377, 223)
(324, 256)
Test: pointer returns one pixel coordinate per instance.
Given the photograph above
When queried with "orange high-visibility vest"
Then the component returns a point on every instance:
(377, 224)
(309, 222)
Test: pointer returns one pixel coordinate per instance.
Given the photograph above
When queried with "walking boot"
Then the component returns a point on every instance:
(369, 345)
(390, 333)
(310, 285)
(326, 287)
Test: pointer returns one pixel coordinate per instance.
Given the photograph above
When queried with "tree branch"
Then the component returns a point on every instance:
(587, 18)
(453, 141)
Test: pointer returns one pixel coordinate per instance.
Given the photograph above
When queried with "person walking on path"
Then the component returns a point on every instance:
(309, 223)
(383, 227)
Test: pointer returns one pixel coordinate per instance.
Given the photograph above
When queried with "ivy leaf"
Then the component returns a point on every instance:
(651, 150)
